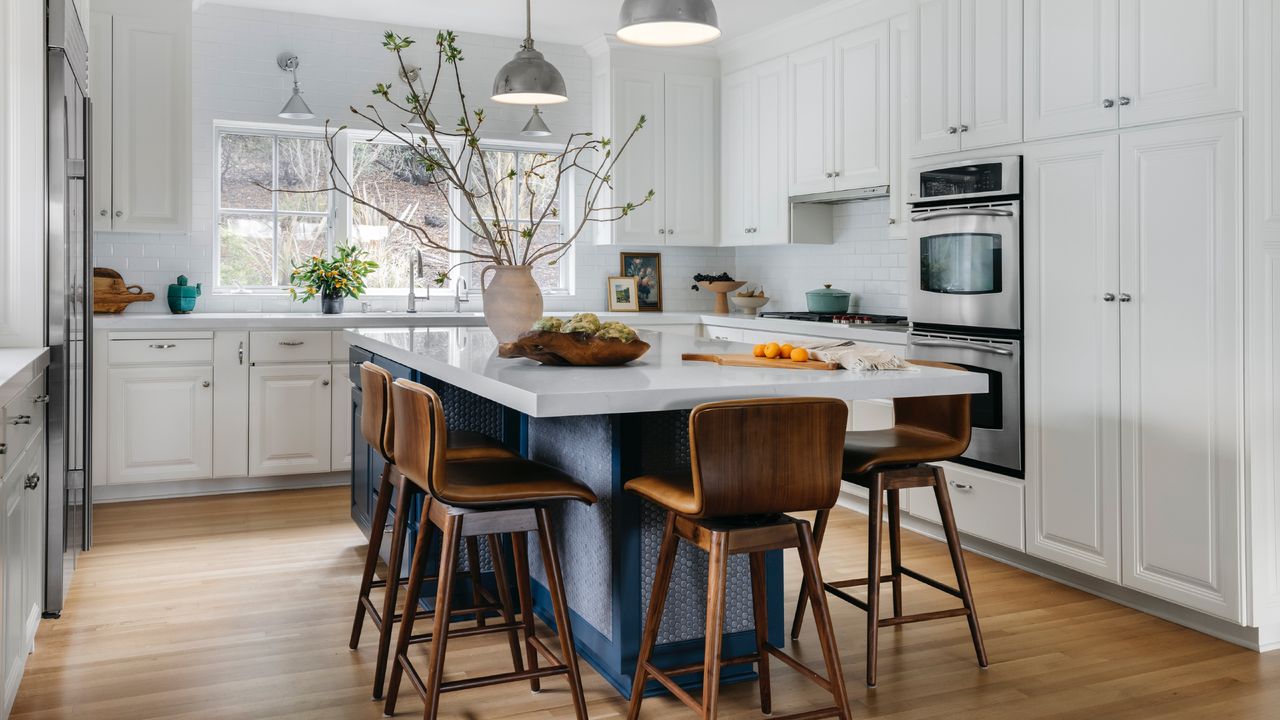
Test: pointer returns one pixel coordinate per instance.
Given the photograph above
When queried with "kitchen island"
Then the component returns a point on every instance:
(604, 426)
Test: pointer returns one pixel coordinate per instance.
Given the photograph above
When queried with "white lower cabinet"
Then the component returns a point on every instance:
(986, 505)
(340, 444)
(160, 423)
(290, 419)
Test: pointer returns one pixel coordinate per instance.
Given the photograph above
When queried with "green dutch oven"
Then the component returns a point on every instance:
(182, 296)
(827, 300)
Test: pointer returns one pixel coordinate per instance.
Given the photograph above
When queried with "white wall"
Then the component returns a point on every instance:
(235, 77)
(862, 260)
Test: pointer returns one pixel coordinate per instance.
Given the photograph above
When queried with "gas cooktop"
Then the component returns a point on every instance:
(838, 318)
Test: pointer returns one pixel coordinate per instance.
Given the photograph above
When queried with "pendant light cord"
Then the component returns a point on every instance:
(528, 24)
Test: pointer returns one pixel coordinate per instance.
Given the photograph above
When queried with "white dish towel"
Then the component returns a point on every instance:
(852, 356)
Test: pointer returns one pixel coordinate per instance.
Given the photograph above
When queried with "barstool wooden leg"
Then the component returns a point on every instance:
(504, 597)
(417, 570)
(957, 561)
(874, 511)
(717, 572)
(760, 609)
(473, 569)
(895, 550)
(559, 604)
(819, 530)
(452, 532)
(376, 531)
(822, 618)
(394, 562)
(520, 551)
(653, 619)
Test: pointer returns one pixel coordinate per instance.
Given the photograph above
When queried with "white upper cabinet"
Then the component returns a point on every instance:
(736, 174)
(1179, 58)
(1101, 64)
(142, 108)
(899, 89)
(968, 76)
(754, 209)
(688, 196)
(811, 103)
(640, 169)
(862, 108)
(1181, 348)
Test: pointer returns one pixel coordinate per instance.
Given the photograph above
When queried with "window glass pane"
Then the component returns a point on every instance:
(500, 165)
(549, 277)
(538, 173)
(393, 178)
(245, 247)
(244, 172)
(303, 165)
(301, 236)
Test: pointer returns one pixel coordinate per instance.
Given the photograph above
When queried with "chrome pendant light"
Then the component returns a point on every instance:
(410, 76)
(536, 127)
(668, 23)
(296, 108)
(529, 79)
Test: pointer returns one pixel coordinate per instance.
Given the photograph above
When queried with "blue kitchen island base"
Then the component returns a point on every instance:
(608, 550)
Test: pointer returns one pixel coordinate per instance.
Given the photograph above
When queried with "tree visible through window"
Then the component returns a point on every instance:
(522, 199)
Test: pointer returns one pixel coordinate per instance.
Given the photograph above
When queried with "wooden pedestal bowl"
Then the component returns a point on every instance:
(580, 349)
(722, 288)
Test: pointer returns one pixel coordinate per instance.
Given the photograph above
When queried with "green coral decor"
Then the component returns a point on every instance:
(340, 276)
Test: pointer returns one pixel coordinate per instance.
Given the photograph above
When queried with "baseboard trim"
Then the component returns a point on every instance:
(215, 486)
(1256, 639)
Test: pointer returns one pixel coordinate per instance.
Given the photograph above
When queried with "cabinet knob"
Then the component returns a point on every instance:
(964, 128)
(662, 231)
(103, 213)
(1108, 297)
(40, 399)
(1108, 103)
(4, 448)
(21, 420)
(893, 221)
(32, 482)
(835, 174)
(324, 381)
(1124, 100)
(205, 383)
(953, 130)
(119, 213)
(1126, 297)
(670, 231)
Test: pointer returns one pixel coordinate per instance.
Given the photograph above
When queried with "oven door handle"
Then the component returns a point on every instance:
(962, 345)
(954, 212)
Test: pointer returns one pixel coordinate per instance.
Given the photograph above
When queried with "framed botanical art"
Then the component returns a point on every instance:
(646, 268)
(623, 295)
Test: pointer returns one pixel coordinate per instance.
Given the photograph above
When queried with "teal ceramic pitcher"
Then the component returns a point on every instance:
(182, 297)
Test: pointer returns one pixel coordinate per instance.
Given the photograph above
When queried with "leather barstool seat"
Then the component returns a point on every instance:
(491, 496)
(886, 462)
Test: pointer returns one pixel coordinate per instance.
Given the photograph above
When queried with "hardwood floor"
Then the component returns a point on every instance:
(240, 606)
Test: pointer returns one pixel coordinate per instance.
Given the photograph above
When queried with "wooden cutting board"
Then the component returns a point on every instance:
(758, 362)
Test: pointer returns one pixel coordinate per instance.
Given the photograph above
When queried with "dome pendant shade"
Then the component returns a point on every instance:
(529, 80)
(668, 23)
(536, 127)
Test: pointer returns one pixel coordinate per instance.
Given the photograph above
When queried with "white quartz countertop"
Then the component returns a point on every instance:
(18, 367)
(466, 357)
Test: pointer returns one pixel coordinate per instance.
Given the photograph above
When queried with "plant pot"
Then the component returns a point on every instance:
(331, 304)
(512, 301)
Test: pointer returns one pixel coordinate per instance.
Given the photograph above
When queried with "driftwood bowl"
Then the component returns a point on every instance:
(580, 349)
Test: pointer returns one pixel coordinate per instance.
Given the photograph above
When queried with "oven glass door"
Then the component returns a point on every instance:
(966, 267)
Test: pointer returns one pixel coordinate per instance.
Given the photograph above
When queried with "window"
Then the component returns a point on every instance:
(261, 233)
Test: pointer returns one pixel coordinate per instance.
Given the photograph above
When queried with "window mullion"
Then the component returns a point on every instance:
(275, 211)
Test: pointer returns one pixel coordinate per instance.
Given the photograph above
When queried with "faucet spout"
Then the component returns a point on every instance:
(461, 294)
(415, 270)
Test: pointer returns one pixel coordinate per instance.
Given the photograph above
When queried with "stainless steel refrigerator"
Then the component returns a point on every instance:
(69, 306)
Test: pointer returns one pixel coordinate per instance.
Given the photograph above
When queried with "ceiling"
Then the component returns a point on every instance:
(574, 22)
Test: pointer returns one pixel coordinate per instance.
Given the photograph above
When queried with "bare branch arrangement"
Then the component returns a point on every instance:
(503, 240)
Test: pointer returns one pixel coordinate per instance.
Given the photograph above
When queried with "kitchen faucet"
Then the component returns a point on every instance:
(415, 270)
(461, 294)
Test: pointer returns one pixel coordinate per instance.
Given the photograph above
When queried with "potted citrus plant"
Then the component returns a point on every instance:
(333, 279)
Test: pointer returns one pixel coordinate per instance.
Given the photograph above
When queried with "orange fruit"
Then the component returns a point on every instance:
(772, 350)
(786, 349)
(758, 351)
(799, 355)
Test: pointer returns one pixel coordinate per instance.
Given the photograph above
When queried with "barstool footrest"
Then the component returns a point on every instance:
(923, 617)
(471, 631)
(936, 585)
(858, 582)
(827, 712)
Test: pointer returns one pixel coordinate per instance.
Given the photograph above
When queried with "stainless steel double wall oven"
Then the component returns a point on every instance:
(966, 291)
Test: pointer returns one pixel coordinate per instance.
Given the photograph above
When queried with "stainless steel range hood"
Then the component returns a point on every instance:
(839, 197)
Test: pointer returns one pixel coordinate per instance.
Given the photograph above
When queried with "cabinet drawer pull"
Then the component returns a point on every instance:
(959, 485)
(32, 482)
(21, 420)
(103, 213)
(119, 213)
(162, 346)
(40, 400)
(292, 343)
(4, 448)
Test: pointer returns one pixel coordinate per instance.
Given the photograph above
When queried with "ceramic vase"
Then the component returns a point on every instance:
(512, 300)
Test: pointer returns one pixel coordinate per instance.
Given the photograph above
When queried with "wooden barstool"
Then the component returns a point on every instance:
(751, 461)
(490, 496)
(886, 462)
(377, 425)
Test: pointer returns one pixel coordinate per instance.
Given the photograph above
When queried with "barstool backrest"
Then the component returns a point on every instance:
(766, 456)
(946, 415)
(422, 437)
(376, 419)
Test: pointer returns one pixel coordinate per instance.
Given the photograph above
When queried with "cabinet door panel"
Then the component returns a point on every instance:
(640, 170)
(1071, 66)
(736, 178)
(812, 92)
(1072, 253)
(13, 535)
(230, 404)
(1181, 348)
(862, 120)
(100, 91)
(900, 89)
(290, 419)
(936, 78)
(1180, 58)
(991, 73)
(150, 106)
(690, 182)
(770, 210)
(340, 445)
(161, 424)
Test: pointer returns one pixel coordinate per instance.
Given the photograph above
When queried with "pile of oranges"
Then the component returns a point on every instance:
(780, 351)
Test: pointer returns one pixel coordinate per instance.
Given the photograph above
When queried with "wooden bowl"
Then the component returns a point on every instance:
(573, 349)
(721, 286)
(749, 305)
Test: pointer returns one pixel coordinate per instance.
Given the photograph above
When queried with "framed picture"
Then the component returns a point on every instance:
(646, 268)
(623, 295)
